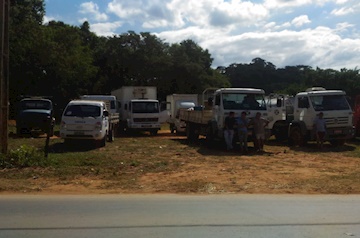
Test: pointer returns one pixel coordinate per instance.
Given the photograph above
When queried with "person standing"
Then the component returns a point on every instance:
(242, 126)
(229, 127)
(320, 129)
(259, 124)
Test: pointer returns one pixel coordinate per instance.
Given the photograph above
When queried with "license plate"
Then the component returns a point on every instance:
(79, 133)
(337, 131)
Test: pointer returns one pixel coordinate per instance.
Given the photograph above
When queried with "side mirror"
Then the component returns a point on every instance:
(106, 113)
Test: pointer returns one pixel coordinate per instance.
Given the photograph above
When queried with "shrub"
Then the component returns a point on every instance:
(24, 156)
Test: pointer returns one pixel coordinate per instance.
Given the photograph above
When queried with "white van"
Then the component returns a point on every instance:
(85, 120)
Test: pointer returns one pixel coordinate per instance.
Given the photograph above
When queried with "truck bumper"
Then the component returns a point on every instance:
(82, 135)
(144, 126)
(341, 133)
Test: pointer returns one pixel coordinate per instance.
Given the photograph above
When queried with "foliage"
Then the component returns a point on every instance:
(24, 156)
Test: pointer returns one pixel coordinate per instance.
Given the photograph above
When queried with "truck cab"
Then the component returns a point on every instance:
(85, 120)
(209, 121)
(298, 116)
(142, 115)
(35, 114)
(250, 100)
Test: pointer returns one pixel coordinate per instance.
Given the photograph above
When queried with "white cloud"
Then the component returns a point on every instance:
(300, 20)
(92, 9)
(179, 13)
(342, 11)
(47, 19)
(106, 29)
(240, 30)
(321, 47)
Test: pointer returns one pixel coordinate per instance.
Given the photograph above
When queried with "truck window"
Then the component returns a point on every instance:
(329, 102)
(82, 111)
(244, 101)
(303, 102)
(217, 100)
(112, 104)
(145, 107)
(35, 104)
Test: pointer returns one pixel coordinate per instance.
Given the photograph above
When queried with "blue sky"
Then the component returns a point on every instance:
(317, 33)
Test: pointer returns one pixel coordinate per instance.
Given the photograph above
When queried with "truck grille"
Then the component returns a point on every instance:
(337, 121)
(146, 119)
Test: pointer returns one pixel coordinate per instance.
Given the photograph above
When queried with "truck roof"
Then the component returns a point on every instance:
(241, 90)
(144, 100)
(323, 92)
(87, 102)
(98, 97)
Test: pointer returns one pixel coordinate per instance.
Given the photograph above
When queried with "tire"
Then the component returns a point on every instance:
(190, 132)
(296, 137)
(111, 135)
(280, 135)
(100, 143)
(337, 142)
(209, 136)
(172, 128)
(19, 131)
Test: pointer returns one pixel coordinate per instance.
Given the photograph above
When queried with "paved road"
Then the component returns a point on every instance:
(180, 216)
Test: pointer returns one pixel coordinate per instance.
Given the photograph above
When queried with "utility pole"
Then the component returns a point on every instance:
(4, 74)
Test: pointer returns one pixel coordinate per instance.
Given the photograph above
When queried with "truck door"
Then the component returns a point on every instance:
(303, 110)
(216, 111)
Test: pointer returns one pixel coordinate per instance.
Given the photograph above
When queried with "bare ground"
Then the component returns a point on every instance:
(193, 168)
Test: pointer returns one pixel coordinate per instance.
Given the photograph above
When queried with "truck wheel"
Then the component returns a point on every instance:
(296, 137)
(280, 135)
(172, 128)
(337, 142)
(209, 137)
(103, 142)
(191, 132)
(111, 135)
(18, 131)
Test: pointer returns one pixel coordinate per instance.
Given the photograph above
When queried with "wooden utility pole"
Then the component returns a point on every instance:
(4, 74)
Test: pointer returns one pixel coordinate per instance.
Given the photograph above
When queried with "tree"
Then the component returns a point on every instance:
(25, 38)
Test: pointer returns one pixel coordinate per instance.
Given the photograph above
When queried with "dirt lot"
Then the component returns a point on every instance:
(168, 164)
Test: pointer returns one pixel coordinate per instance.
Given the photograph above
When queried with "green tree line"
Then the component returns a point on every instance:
(64, 61)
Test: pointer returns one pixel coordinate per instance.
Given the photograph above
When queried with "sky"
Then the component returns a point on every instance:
(316, 33)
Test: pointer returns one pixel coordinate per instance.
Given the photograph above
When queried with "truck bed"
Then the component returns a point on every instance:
(194, 116)
(114, 118)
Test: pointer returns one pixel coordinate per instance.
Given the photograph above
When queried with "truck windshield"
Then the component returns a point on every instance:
(145, 107)
(329, 102)
(82, 111)
(243, 101)
(35, 104)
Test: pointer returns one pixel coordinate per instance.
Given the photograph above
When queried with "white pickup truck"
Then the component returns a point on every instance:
(87, 120)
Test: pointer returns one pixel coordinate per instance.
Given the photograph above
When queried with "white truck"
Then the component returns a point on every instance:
(139, 108)
(292, 118)
(88, 120)
(209, 121)
(174, 103)
(110, 101)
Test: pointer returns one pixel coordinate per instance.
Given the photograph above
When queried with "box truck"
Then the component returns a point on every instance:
(174, 103)
(139, 108)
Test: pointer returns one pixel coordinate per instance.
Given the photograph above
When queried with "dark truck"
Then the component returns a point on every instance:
(35, 115)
